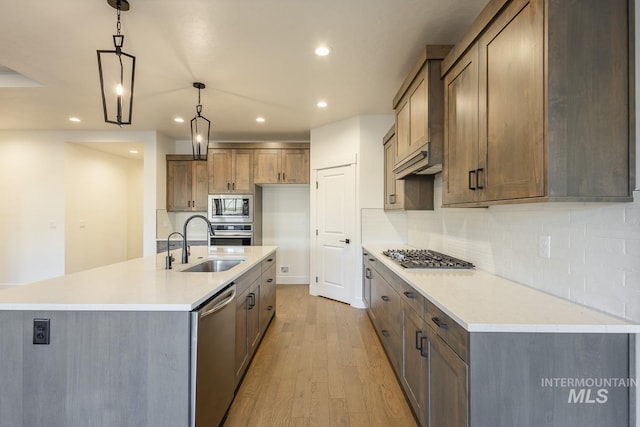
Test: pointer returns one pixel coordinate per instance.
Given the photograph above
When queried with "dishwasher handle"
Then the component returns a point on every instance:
(219, 306)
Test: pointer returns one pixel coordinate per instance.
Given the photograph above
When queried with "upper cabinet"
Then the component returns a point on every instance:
(187, 184)
(281, 166)
(411, 193)
(230, 170)
(537, 105)
(419, 113)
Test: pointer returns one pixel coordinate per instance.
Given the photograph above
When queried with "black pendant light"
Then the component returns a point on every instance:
(117, 70)
(200, 128)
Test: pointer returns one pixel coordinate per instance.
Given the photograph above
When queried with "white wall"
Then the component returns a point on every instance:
(103, 208)
(358, 141)
(32, 208)
(285, 223)
(32, 185)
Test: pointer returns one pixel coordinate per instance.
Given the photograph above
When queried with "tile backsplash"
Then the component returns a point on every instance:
(594, 256)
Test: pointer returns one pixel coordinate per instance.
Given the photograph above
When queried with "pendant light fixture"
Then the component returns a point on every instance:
(200, 128)
(117, 70)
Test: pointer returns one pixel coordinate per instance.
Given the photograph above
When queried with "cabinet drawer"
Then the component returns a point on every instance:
(451, 332)
(247, 279)
(392, 343)
(268, 262)
(386, 303)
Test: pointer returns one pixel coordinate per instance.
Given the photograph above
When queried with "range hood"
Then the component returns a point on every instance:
(420, 163)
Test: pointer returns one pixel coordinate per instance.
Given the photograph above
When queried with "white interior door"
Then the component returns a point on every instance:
(336, 214)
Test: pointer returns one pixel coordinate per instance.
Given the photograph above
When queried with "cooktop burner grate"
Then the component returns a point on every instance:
(425, 258)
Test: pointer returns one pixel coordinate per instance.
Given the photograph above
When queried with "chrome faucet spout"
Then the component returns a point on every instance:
(169, 258)
(185, 253)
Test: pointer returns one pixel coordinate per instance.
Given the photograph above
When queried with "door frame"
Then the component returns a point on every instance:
(356, 243)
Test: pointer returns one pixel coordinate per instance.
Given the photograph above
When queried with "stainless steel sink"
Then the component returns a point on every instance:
(213, 265)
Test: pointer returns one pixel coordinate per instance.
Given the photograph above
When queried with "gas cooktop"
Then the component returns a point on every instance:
(425, 258)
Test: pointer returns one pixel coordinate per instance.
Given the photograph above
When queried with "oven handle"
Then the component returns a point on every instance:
(220, 233)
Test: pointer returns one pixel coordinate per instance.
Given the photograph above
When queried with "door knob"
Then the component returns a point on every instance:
(347, 241)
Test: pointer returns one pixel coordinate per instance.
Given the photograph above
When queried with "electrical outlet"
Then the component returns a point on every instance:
(544, 248)
(41, 331)
(284, 269)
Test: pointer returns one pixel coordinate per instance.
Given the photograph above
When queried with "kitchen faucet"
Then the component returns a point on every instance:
(185, 253)
(170, 258)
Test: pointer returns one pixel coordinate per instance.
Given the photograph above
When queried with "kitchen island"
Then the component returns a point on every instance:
(121, 341)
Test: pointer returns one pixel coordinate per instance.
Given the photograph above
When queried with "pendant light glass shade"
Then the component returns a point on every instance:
(117, 71)
(200, 129)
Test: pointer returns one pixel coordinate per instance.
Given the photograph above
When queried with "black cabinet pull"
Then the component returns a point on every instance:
(269, 280)
(283, 177)
(367, 273)
(439, 323)
(418, 340)
(472, 175)
(385, 333)
(278, 176)
(478, 180)
(270, 260)
(385, 298)
(252, 299)
(228, 186)
(409, 294)
(424, 350)
(372, 259)
(270, 308)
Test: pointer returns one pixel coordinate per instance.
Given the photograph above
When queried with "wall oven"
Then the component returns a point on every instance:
(232, 208)
(226, 234)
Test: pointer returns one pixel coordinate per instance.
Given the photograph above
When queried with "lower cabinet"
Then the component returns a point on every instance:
(267, 297)
(415, 369)
(454, 378)
(447, 385)
(255, 306)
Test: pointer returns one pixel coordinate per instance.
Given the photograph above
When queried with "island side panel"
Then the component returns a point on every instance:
(101, 369)
(10, 369)
(510, 369)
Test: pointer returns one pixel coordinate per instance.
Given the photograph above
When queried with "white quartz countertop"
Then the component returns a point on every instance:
(482, 302)
(140, 284)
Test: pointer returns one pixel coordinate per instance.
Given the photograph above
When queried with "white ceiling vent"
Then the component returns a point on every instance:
(10, 78)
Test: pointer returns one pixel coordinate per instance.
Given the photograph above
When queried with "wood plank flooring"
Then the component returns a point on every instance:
(319, 364)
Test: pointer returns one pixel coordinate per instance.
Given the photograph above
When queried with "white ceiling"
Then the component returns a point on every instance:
(255, 56)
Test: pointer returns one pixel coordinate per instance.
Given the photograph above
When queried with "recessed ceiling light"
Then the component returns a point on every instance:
(74, 119)
(260, 119)
(322, 104)
(178, 120)
(133, 151)
(323, 50)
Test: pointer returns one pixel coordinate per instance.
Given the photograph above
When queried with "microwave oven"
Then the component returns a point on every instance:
(230, 208)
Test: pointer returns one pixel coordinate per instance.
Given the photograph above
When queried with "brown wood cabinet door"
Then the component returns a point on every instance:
(295, 166)
(393, 188)
(511, 109)
(200, 185)
(220, 162)
(253, 317)
(403, 133)
(415, 372)
(267, 166)
(242, 181)
(448, 385)
(461, 135)
(179, 185)
(242, 343)
(418, 116)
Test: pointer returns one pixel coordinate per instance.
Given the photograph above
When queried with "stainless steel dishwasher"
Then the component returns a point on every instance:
(212, 367)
